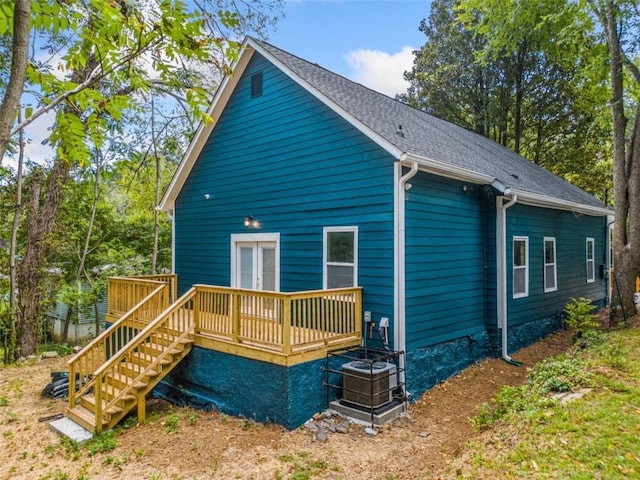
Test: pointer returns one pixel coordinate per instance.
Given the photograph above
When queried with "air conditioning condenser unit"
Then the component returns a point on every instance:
(368, 384)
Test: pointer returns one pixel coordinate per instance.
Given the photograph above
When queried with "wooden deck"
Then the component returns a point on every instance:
(276, 327)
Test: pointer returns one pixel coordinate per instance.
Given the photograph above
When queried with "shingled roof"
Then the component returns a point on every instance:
(436, 145)
(430, 138)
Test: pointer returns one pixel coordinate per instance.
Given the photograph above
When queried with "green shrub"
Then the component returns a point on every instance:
(580, 316)
(105, 442)
(559, 374)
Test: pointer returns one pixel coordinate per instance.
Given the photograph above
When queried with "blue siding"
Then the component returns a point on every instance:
(293, 164)
(571, 231)
(445, 276)
(231, 384)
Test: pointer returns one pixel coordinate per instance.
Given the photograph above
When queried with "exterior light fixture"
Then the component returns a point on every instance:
(251, 222)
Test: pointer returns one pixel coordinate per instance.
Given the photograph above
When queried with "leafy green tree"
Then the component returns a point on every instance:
(112, 54)
(508, 71)
(602, 39)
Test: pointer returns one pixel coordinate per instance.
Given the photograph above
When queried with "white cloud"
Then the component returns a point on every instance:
(381, 71)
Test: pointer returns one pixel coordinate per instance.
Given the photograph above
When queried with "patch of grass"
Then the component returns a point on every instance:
(172, 423)
(57, 474)
(105, 442)
(595, 436)
(302, 466)
(4, 402)
(115, 461)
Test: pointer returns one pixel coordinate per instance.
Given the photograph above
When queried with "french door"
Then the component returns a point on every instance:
(256, 265)
(255, 262)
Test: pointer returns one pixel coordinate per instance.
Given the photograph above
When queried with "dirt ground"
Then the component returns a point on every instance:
(180, 443)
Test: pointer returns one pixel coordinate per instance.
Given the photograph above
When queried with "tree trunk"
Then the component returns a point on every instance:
(626, 171)
(32, 269)
(13, 289)
(156, 223)
(67, 322)
(19, 60)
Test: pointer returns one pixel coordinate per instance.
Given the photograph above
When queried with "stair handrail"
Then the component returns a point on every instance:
(85, 378)
(131, 346)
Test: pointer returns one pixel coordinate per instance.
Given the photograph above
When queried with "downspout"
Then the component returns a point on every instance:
(401, 187)
(501, 256)
(170, 214)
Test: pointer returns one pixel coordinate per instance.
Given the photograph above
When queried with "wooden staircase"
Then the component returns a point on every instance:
(121, 366)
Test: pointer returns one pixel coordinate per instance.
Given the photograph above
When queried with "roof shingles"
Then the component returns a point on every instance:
(429, 137)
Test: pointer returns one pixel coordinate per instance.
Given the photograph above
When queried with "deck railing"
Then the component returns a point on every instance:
(123, 293)
(83, 365)
(285, 322)
(273, 321)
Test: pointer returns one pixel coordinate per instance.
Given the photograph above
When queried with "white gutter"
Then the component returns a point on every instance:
(501, 259)
(400, 187)
(537, 200)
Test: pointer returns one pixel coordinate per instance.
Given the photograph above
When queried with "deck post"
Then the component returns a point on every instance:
(142, 407)
(72, 384)
(286, 325)
(98, 397)
(235, 316)
(196, 311)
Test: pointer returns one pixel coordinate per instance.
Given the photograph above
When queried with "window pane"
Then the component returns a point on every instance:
(549, 253)
(340, 247)
(589, 250)
(339, 276)
(519, 253)
(590, 271)
(519, 285)
(549, 277)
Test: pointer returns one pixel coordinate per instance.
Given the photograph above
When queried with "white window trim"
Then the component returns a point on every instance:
(525, 267)
(592, 259)
(554, 264)
(325, 263)
(254, 237)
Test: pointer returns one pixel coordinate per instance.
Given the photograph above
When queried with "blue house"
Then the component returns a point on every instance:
(400, 231)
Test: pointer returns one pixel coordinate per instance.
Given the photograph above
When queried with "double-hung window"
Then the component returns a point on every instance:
(340, 257)
(520, 267)
(550, 266)
(591, 263)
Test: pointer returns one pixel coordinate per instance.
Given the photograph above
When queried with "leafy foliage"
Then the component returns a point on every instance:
(580, 316)
(516, 73)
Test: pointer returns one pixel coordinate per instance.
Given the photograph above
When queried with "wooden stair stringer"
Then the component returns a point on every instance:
(150, 376)
(134, 381)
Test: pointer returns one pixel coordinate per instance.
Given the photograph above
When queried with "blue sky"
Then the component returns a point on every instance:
(368, 41)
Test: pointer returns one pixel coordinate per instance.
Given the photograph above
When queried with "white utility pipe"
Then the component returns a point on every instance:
(501, 241)
(399, 325)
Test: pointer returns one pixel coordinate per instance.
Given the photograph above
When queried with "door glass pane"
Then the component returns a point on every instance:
(268, 269)
(246, 267)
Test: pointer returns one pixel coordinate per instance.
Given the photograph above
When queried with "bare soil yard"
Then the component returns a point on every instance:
(178, 443)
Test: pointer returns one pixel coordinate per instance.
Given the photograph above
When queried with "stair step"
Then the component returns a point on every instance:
(132, 370)
(122, 380)
(89, 402)
(84, 417)
(156, 348)
(143, 358)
